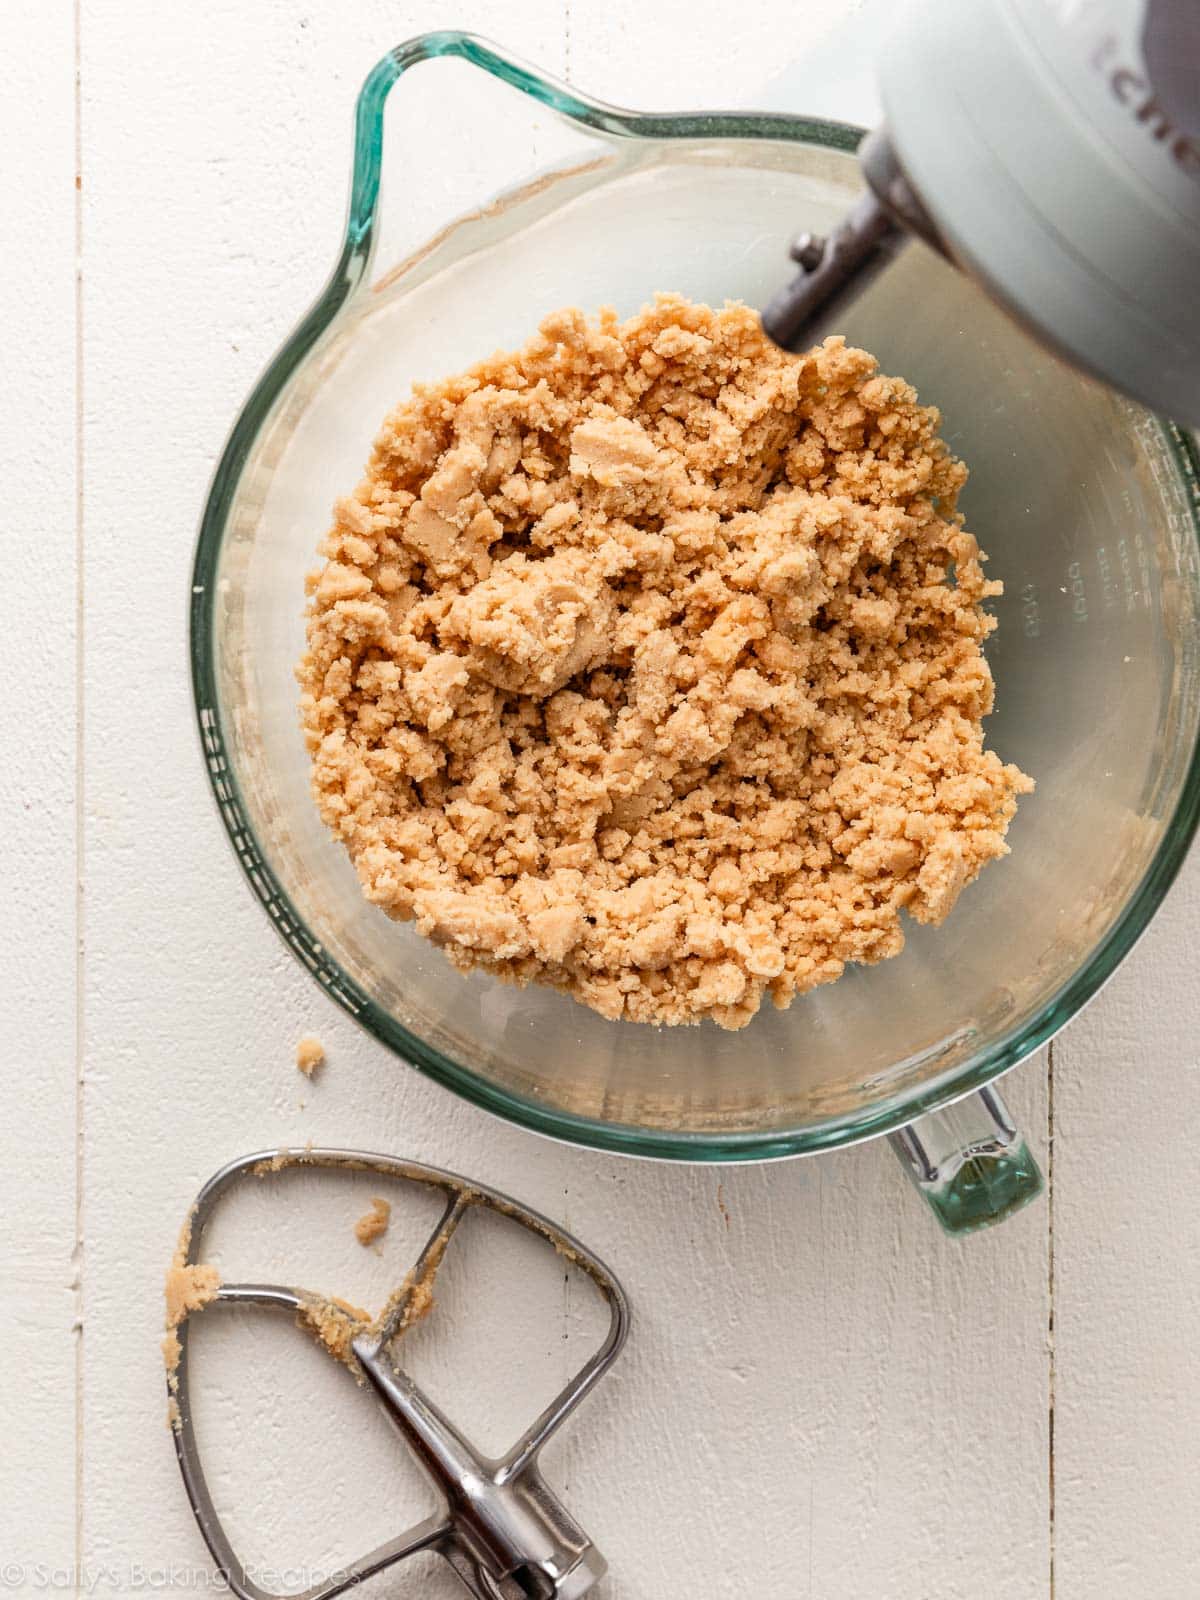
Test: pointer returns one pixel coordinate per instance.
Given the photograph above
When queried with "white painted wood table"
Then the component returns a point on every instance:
(823, 1397)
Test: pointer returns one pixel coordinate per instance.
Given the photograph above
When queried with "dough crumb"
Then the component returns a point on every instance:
(310, 1054)
(647, 662)
(335, 1322)
(189, 1287)
(374, 1224)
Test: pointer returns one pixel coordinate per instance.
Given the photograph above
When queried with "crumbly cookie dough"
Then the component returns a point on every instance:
(646, 662)
(310, 1054)
(188, 1288)
(337, 1323)
(373, 1224)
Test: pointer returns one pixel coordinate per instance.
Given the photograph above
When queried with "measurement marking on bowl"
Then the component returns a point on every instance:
(1079, 607)
(1030, 616)
(1108, 581)
(310, 951)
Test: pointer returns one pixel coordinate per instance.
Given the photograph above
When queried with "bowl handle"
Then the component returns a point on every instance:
(969, 1162)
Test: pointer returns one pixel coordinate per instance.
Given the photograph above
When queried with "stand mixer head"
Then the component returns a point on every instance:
(1051, 149)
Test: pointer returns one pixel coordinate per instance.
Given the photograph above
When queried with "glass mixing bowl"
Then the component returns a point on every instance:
(1086, 504)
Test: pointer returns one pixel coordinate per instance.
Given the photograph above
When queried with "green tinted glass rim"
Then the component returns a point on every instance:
(353, 261)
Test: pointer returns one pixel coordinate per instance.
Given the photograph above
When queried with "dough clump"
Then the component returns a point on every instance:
(189, 1287)
(646, 662)
(310, 1054)
(373, 1224)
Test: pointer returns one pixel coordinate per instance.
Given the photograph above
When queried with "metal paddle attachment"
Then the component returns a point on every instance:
(506, 1535)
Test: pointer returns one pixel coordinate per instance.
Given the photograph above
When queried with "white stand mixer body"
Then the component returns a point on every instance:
(1056, 146)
